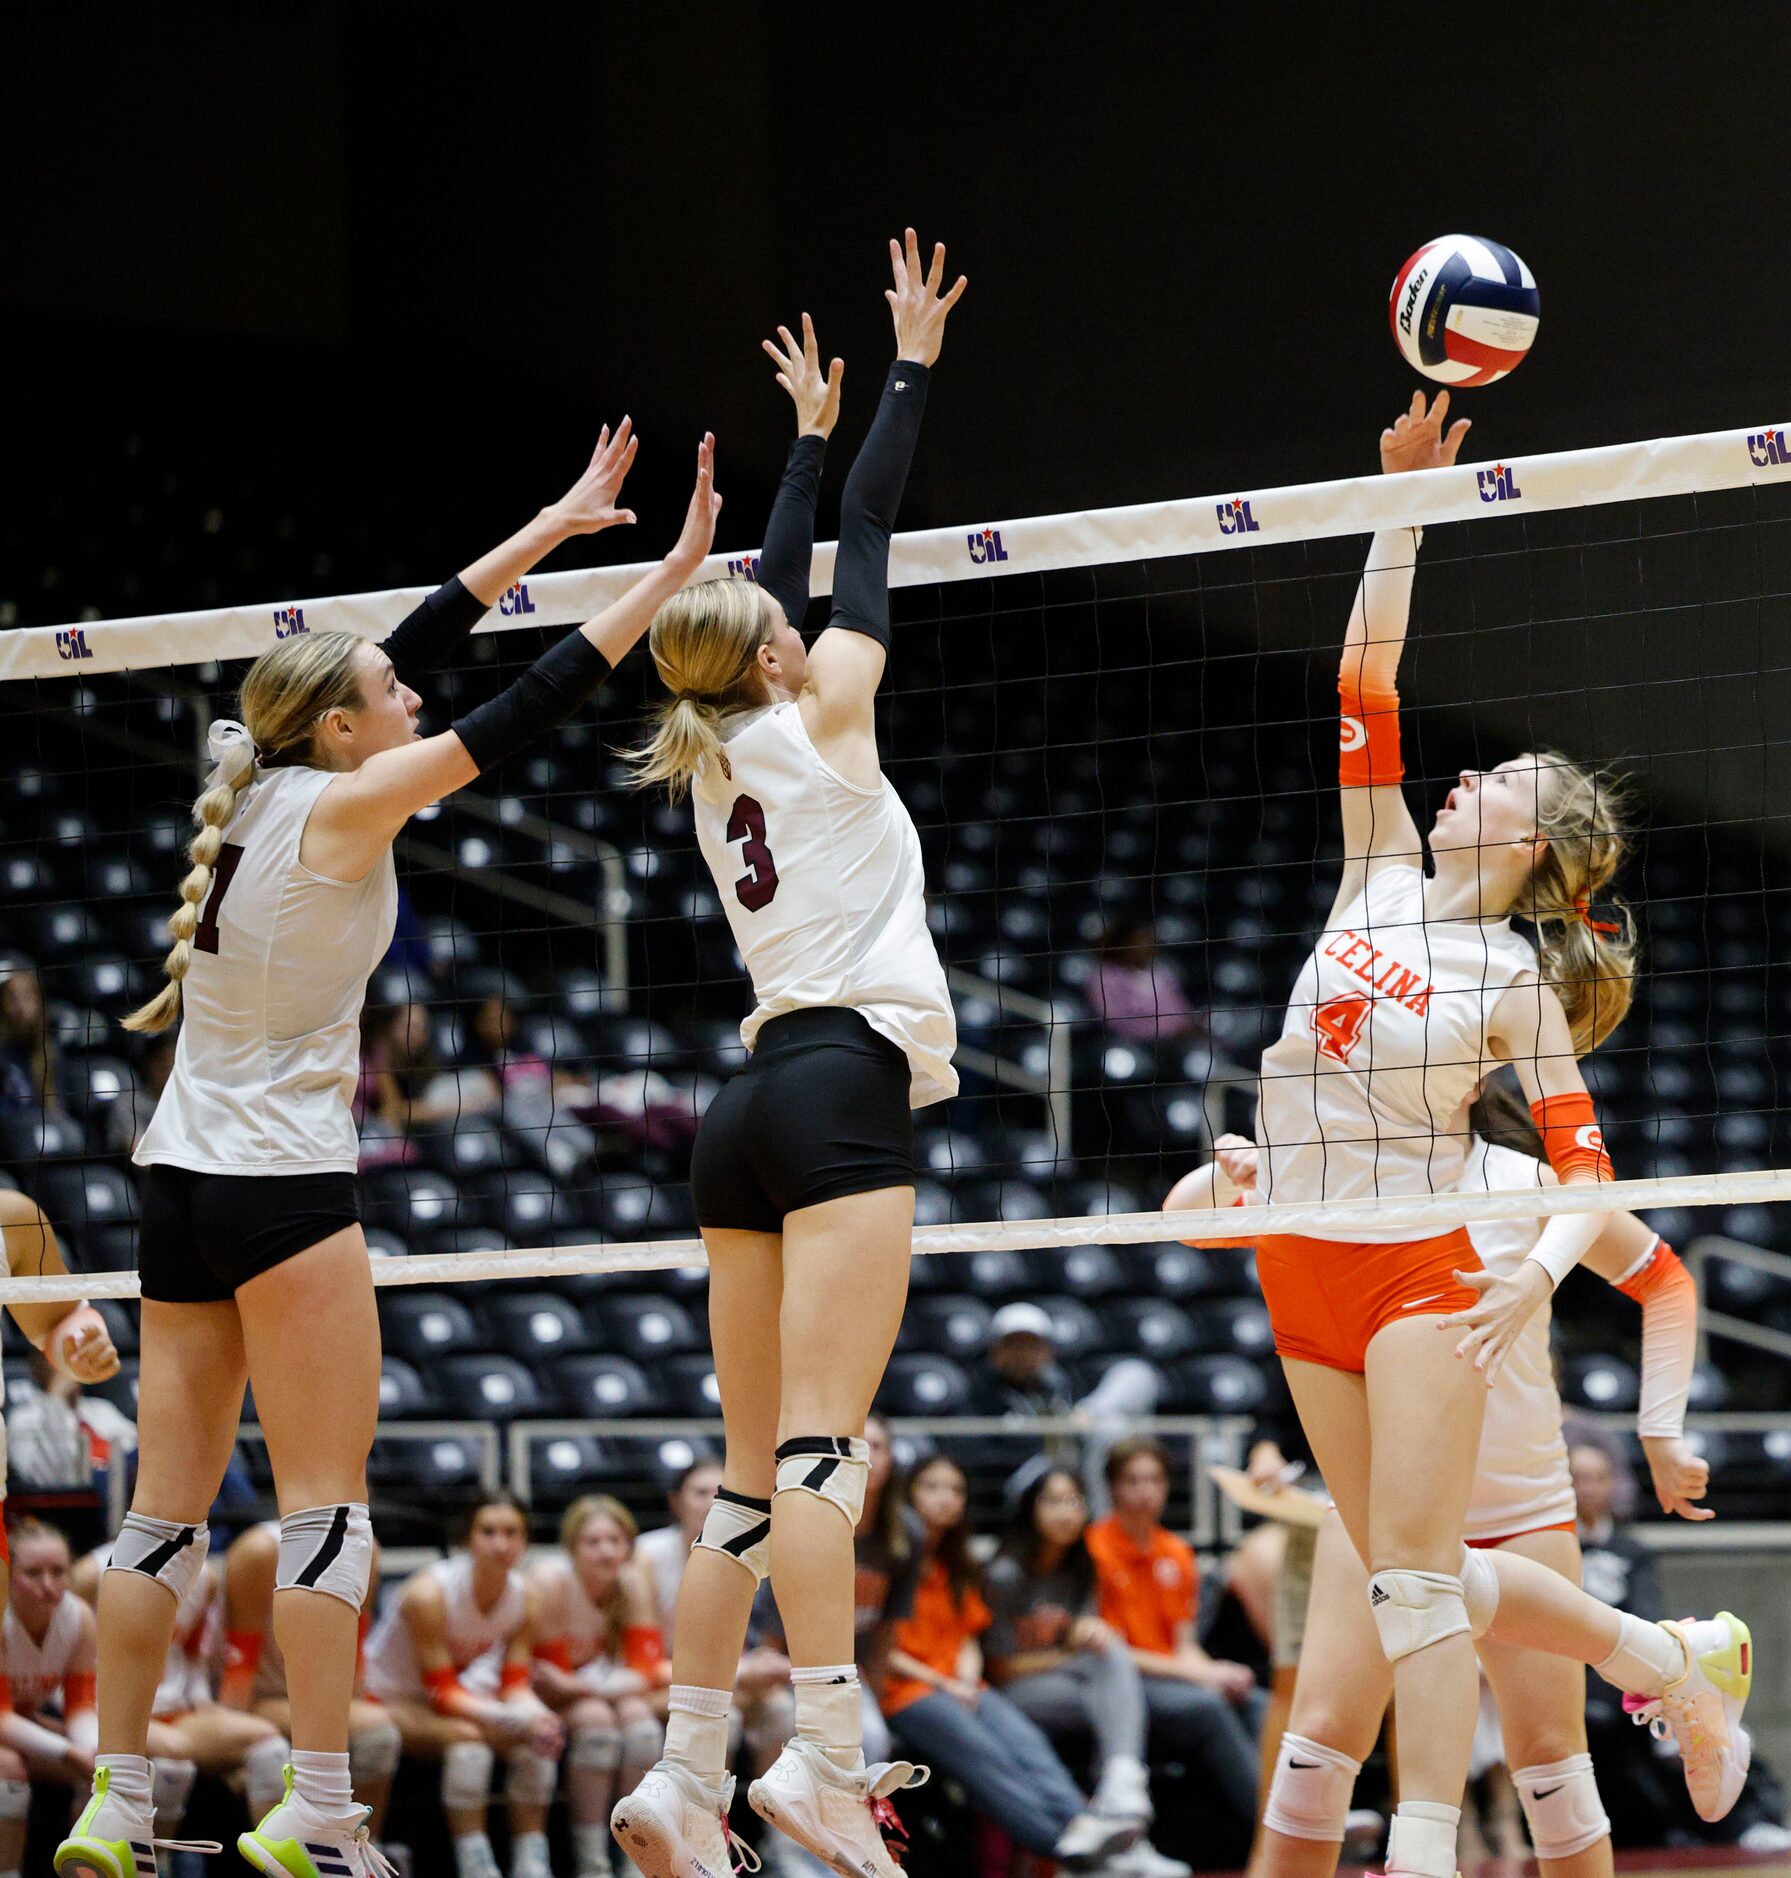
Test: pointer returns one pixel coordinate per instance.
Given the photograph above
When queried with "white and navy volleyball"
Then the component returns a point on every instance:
(1464, 310)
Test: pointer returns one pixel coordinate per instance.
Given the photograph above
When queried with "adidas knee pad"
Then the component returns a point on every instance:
(641, 1742)
(1413, 1610)
(374, 1753)
(327, 1549)
(1310, 1794)
(466, 1776)
(264, 1774)
(171, 1787)
(739, 1527)
(1561, 1804)
(171, 1554)
(595, 1750)
(832, 1467)
(530, 1778)
(1479, 1590)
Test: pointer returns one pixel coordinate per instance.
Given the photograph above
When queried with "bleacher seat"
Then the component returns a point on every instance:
(1150, 1326)
(956, 1326)
(1600, 1382)
(425, 1326)
(603, 1387)
(496, 1387)
(1238, 1325)
(924, 1385)
(1216, 1385)
(403, 1394)
(690, 1387)
(535, 1326)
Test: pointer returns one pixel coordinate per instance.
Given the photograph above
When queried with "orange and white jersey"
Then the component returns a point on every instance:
(824, 889)
(189, 1674)
(1383, 1044)
(476, 1639)
(37, 1670)
(567, 1612)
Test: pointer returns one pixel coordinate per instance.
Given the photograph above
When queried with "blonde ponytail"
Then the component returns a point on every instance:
(705, 643)
(285, 694)
(1586, 939)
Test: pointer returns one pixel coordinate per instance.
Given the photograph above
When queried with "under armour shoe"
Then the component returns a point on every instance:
(295, 1841)
(840, 1817)
(114, 1840)
(674, 1825)
(1702, 1710)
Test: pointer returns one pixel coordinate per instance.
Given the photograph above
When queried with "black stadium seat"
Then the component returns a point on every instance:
(954, 1326)
(1239, 1325)
(495, 1387)
(1217, 1385)
(403, 1394)
(535, 1326)
(425, 1326)
(646, 1327)
(690, 1386)
(924, 1386)
(603, 1387)
(1600, 1382)
(1151, 1327)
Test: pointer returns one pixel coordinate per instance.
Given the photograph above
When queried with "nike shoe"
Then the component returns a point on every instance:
(1702, 1710)
(674, 1825)
(113, 1840)
(840, 1817)
(293, 1841)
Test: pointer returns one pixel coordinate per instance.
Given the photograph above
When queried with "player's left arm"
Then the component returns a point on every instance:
(73, 1337)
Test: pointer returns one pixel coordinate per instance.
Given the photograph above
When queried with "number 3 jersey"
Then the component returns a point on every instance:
(269, 1047)
(1363, 1094)
(824, 889)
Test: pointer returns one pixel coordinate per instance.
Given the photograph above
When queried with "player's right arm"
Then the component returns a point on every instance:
(73, 1337)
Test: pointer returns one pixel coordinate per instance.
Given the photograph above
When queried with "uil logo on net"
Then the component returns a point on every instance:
(1235, 517)
(1498, 484)
(289, 622)
(73, 644)
(746, 567)
(514, 601)
(1769, 448)
(985, 546)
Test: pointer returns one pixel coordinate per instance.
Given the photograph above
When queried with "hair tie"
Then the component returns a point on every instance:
(232, 751)
(1582, 911)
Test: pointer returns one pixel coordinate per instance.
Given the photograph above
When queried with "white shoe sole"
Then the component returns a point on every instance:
(641, 1833)
(765, 1804)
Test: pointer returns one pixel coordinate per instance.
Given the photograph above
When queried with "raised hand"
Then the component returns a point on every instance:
(916, 302)
(698, 536)
(1416, 440)
(590, 504)
(816, 393)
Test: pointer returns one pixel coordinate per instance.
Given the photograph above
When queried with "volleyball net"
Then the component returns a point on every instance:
(1116, 732)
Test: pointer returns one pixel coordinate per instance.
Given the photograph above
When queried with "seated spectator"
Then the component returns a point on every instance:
(30, 1067)
(1204, 1712)
(1134, 992)
(254, 1678)
(49, 1651)
(401, 1086)
(600, 1665)
(942, 1712)
(449, 1661)
(63, 1442)
(1052, 1656)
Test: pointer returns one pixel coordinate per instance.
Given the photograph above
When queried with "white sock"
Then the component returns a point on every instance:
(1646, 1659)
(322, 1782)
(1422, 1841)
(830, 1712)
(696, 1730)
(132, 1780)
(528, 1855)
(473, 1856)
(590, 1845)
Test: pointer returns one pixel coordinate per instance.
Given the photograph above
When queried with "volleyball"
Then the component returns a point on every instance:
(1464, 310)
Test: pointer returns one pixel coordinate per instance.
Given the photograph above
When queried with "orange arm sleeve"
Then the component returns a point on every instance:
(1368, 754)
(1570, 1133)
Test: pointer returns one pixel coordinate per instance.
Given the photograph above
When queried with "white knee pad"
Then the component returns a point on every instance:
(530, 1778)
(832, 1467)
(264, 1774)
(327, 1549)
(15, 1799)
(172, 1555)
(1413, 1610)
(374, 1753)
(739, 1527)
(1479, 1590)
(466, 1776)
(642, 1741)
(1561, 1803)
(1310, 1794)
(171, 1787)
(596, 1750)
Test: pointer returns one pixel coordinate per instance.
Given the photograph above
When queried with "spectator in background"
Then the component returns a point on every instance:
(942, 1712)
(30, 1075)
(1203, 1712)
(401, 1087)
(59, 1438)
(1135, 993)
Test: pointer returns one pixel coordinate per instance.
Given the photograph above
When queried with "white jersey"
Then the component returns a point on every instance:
(269, 1049)
(476, 1639)
(36, 1671)
(666, 1554)
(1383, 1045)
(824, 889)
(193, 1650)
(584, 1625)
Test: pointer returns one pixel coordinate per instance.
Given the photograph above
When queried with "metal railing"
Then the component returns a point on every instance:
(1698, 1254)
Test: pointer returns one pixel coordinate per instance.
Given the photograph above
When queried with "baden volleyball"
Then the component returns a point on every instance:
(1464, 310)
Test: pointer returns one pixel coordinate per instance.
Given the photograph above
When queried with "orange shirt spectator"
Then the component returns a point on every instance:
(934, 1633)
(1149, 1590)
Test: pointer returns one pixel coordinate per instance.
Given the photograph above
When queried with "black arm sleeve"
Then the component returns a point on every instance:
(868, 508)
(425, 639)
(790, 534)
(558, 682)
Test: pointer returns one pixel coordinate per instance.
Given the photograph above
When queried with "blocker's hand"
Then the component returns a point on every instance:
(81, 1346)
(1504, 1308)
(590, 504)
(1417, 441)
(698, 536)
(1236, 1155)
(816, 393)
(916, 302)
(1679, 1476)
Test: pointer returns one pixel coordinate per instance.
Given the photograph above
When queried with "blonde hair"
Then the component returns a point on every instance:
(705, 643)
(574, 1520)
(287, 691)
(1588, 957)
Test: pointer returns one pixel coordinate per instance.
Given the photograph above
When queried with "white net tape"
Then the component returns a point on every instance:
(1435, 1213)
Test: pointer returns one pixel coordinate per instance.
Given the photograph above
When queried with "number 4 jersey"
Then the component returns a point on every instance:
(270, 1048)
(825, 892)
(1363, 1094)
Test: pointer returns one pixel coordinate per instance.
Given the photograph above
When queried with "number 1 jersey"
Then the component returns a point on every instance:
(1364, 1093)
(270, 1040)
(825, 892)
